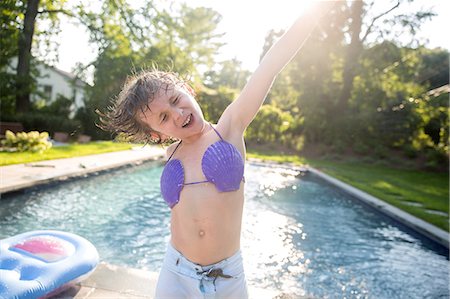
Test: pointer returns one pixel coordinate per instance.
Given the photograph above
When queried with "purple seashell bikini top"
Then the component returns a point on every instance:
(222, 165)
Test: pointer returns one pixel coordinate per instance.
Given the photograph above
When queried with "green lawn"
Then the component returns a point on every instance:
(66, 151)
(395, 186)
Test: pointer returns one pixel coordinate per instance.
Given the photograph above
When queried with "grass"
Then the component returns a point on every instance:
(271, 155)
(66, 151)
(395, 186)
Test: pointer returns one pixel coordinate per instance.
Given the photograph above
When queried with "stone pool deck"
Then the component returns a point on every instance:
(110, 281)
(21, 176)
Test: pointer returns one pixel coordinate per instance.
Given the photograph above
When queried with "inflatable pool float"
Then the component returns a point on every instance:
(43, 263)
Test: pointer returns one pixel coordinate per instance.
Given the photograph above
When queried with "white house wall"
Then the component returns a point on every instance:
(61, 85)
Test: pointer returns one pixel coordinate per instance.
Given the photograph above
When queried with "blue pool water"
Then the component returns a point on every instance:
(300, 236)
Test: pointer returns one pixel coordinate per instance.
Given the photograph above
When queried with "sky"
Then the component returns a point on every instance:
(245, 24)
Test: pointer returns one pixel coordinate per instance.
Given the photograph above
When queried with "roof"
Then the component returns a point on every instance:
(68, 75)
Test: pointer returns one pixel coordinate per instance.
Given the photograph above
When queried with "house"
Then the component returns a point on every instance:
(53, 82)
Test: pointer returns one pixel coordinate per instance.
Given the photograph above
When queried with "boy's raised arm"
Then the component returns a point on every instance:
(241, 112)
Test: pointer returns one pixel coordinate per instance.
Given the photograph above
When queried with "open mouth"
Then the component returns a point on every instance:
(188, 121)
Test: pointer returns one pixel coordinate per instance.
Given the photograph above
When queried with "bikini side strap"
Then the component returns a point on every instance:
(216, 131)
(174, 151)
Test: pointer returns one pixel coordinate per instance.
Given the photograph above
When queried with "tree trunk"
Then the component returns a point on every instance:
(352, 56)
(24, 58)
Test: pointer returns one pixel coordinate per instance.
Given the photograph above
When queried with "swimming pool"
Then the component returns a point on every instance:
(300, 236)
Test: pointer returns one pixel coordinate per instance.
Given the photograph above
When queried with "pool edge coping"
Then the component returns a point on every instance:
(422, 227)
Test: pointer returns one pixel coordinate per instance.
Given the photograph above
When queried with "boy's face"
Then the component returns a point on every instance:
(174, 113)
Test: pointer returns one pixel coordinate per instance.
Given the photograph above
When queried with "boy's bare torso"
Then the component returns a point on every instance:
(206, 224)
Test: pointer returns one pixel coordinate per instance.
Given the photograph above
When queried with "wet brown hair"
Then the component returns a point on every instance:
(137, 93)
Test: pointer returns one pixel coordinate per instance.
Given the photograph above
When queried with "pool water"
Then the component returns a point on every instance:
(300, 235)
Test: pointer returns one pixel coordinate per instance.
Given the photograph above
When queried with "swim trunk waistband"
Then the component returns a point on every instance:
(231, 267)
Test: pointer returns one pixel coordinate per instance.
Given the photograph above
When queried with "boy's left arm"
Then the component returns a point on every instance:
(241, 112)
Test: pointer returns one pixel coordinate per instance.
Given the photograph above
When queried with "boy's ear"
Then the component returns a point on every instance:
(164, 137)
(156, 136)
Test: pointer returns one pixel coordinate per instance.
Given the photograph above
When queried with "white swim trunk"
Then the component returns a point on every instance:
(181, 278)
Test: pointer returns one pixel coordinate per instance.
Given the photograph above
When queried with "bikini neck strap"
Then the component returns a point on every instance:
(171, 155)
(218, 134)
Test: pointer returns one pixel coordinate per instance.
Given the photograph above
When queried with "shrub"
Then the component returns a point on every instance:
(360, 147)
(87, 119)
(268, 126)
(436, 158)
(32, 141)
(38, 121)
(380, 151)
(410, 151)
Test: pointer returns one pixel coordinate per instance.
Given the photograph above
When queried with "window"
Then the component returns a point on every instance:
(48, 92)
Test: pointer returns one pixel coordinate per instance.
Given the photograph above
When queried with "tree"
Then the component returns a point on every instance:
(433, 70)
(49, 11)
(307, 86)
(10, 16)
(24, 57)
(268, 125)
(354, 85)
(198, 34)
(381, 96)
(357, 18)
(214, 102)
(24, 81)
(270, 39)
(229, 73)
(187, 38)
(120, 33)
(130, 40)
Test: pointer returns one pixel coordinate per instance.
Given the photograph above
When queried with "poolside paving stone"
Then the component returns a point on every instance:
(20, 176)
(111, 281)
